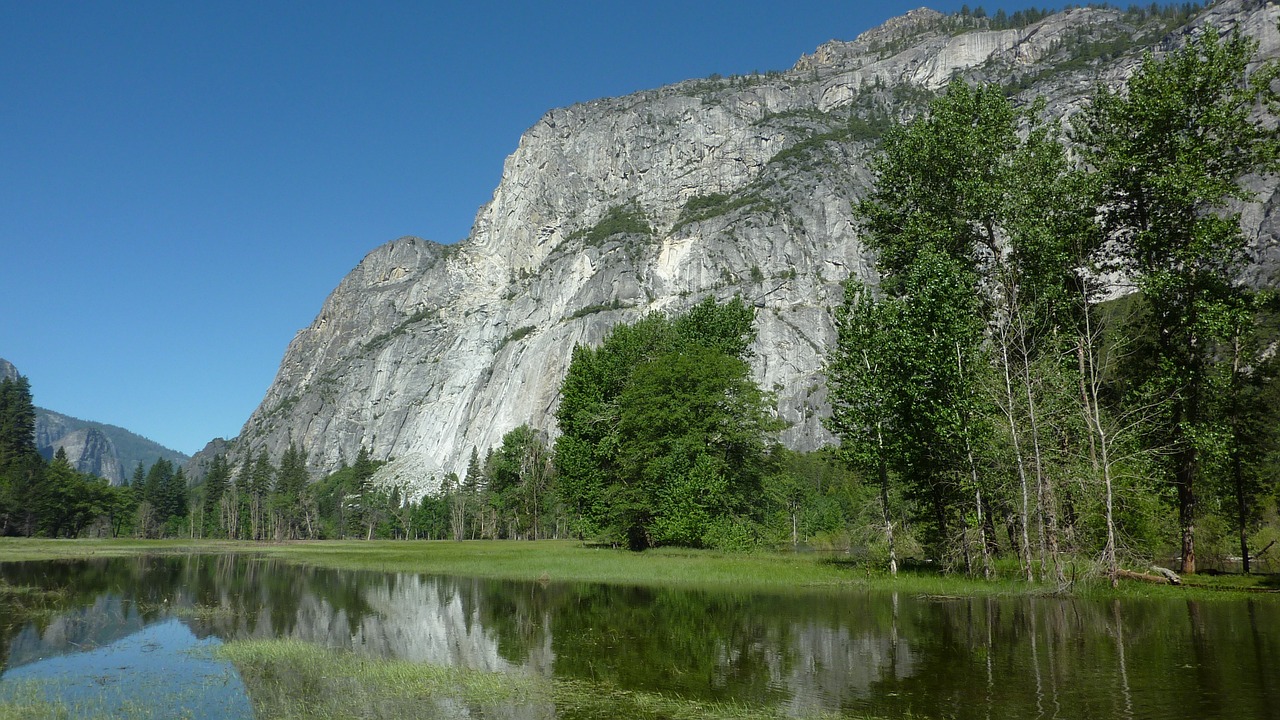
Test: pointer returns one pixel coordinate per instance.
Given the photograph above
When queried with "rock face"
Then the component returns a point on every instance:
(745, 185)
(88, 450)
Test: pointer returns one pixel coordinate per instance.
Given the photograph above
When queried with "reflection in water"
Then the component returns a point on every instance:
(160, 668)
(862, 653)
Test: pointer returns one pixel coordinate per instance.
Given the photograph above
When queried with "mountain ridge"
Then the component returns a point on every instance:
(108, 451)
(611, 208)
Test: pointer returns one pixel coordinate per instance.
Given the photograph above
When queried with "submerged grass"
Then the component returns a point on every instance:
(20, 604)
(291, 680)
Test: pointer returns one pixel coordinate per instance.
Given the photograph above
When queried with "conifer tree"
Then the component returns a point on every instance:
(20, 462)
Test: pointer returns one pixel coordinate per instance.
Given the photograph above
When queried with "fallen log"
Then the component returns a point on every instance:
(1147, 577)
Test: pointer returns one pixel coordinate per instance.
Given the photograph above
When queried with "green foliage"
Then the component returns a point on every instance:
(346, 503)
(292, 499)
(614, 304)
(705, 207)
(381, 340)
(519, 487)
(20, 462)
(662, 429)
(217, 485)
(981, 357)
(519, 333)
(626, 219)
(1167, 155)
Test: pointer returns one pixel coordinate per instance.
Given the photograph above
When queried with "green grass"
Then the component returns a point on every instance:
(289, 679)
(572, 561)
(293, 679)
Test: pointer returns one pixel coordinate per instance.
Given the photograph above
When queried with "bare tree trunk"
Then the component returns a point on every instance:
(882, 468)
(977, 490)
(1024, 516)
(1045, 490)
(888, 518)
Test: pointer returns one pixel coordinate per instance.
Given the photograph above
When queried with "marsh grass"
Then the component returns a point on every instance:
(573, 561)
(20, 604)
(290, 680)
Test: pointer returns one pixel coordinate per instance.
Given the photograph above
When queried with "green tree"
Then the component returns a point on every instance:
(217, 483)
(976, 195)
(261, 481)
(20, 462)
(520, 482)
(1167, 155)
(291, 500)
(1250, 407)
(663, 432)
(862, 390)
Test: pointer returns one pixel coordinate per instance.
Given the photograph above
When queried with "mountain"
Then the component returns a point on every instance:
(107, 451)
(617, 207)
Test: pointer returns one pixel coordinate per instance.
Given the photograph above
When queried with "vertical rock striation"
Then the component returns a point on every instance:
(617, 207)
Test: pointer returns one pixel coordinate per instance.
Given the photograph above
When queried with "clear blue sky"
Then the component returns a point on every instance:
(182, 184)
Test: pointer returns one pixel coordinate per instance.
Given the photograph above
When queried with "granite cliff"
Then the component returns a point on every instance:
(617, 207)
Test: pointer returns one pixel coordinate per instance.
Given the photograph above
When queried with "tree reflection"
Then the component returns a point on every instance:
(876, 654)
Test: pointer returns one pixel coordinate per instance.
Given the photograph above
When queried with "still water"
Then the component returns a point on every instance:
(881, 654)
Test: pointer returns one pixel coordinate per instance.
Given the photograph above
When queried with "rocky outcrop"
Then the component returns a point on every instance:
(96, 448)
(90, 451)
(726, 186)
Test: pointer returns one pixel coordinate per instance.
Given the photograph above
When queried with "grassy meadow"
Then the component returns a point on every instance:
(574, 561)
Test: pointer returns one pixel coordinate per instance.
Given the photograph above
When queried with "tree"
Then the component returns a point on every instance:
(260, 482)
(370, 505)
(291, 499)
(216, 484)
(861, 392)
(1250, 407)
(662, 430)
(520, 481)
(1167, 155)
(694, 428)
(20, 462)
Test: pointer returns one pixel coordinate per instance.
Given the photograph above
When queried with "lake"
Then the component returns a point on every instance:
(131, 625)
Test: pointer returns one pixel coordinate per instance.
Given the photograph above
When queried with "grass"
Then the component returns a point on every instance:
(293, 679)
(572, 561)
(288, 679)
(20, 604)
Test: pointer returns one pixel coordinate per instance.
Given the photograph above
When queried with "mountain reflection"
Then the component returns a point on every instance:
(842, 651)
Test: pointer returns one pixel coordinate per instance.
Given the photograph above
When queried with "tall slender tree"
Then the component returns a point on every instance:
(20, 462)
(1168, 154)
(216, 485)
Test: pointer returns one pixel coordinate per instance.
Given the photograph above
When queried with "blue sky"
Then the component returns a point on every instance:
(182, 184)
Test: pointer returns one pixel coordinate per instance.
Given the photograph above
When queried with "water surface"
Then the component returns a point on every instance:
(863, 653)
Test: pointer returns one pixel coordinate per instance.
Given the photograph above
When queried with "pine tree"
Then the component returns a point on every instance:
(20, 462)
(291, 498)
(217, 484)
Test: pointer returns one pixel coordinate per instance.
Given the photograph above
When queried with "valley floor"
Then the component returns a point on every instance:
(574, 561)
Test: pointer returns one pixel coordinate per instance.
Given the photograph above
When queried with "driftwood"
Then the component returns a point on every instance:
(1163, 576)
